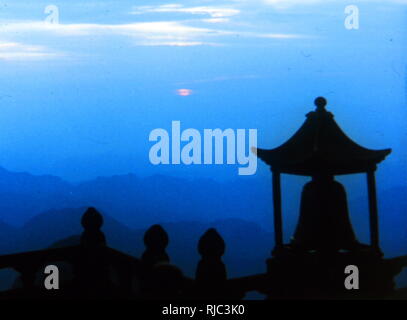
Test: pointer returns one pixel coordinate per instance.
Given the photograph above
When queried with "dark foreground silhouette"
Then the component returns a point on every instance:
(97, 271)
(314, 265)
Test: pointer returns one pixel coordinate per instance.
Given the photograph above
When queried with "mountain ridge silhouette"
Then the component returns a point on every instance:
(134, 200)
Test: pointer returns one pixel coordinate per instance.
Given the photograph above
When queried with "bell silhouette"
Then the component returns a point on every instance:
(324, 223)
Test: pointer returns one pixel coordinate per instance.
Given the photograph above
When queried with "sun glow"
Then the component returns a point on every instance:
(184, 92)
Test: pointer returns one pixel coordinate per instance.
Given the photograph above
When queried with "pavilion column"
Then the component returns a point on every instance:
(374, 220)
(278, 223)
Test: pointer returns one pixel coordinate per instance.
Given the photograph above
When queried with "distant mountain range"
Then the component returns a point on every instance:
(134, 201)
(37, 212)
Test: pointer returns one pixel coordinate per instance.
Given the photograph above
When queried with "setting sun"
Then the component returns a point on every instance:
(184, 92)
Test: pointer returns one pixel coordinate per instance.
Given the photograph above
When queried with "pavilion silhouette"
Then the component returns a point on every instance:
(313, 263)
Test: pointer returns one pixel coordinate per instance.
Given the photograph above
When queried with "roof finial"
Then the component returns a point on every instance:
(320, 102)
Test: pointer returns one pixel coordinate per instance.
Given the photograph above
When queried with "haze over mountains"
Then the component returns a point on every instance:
(37, 211)
(132, 200)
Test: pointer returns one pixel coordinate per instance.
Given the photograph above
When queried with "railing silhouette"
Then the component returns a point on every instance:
(100, 271)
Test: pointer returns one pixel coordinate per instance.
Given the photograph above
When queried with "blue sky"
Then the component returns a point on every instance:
(78, 99)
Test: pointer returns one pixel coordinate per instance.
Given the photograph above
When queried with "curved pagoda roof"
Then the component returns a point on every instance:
(320, 146)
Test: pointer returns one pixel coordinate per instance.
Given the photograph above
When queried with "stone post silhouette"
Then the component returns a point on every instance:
(156, 241)
(91, 267)
(161, 280)
(211, 271)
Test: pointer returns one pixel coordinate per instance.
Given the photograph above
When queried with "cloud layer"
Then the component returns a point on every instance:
(20, 51)
(198, 26)
(173, 25)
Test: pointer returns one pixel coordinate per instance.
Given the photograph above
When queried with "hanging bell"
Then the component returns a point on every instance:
(324, 223)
